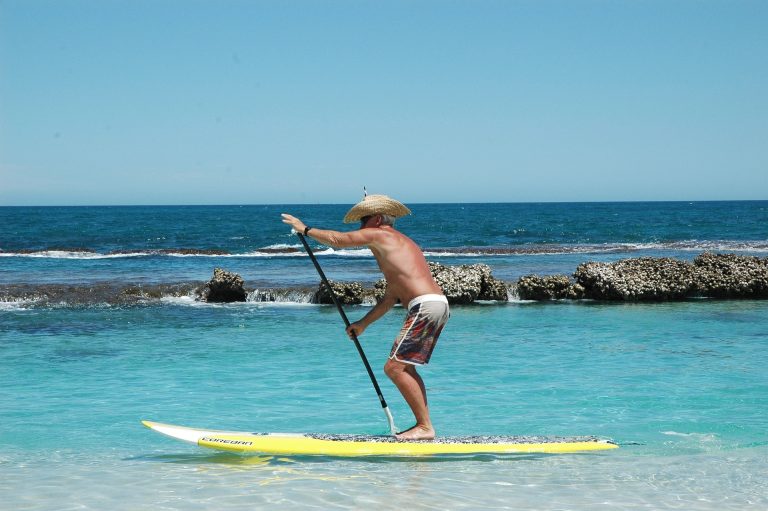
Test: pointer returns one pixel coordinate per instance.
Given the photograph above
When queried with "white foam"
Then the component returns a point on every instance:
(261, 253)
(325, 251)
(289, 299)
(179, 254)
(66, 254)
(280, 250)
(282, 246)
(699, 437)
(347, 252)
(16, 304)
(702, 246)
(440, 253)
(289, 296)
(179, 300)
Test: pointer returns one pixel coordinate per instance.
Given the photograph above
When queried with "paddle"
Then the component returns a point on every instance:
(392, 427)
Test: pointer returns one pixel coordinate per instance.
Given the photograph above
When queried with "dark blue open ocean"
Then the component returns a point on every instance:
(682, 387)
(173, 244)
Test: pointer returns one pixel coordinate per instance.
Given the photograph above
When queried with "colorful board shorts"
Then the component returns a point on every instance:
(427, 315)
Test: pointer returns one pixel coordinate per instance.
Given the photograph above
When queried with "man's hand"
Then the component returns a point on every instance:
(294, 222)
(356, 328)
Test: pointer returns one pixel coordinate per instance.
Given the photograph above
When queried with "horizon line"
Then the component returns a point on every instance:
(128, 205)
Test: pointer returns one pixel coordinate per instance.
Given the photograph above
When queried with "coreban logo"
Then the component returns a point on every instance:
(225, 441)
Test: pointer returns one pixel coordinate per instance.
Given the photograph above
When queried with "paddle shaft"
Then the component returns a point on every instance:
(354, 336)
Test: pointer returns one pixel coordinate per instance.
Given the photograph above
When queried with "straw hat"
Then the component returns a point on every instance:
(376, 205)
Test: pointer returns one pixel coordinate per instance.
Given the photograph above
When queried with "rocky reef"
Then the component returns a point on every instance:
(96, 293)
(461, 285)
(638, 279)
(655, 279)
(225, 286)
(645, 279)
(732, 276)
(549, 287)
(348, 293)
(641, 279)
(468, 283)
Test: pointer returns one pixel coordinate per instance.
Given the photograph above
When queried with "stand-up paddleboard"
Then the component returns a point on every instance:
(376, 445)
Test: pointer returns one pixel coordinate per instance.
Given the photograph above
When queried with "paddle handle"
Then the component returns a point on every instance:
(336, 301)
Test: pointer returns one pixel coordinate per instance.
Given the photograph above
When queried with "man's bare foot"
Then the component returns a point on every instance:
(417, 432)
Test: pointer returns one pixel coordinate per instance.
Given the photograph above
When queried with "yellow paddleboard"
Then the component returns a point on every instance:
(375, 445)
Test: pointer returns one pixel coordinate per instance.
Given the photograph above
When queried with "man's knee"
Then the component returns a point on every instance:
(393, 368)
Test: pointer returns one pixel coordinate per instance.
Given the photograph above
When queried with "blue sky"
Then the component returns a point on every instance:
(252, 102)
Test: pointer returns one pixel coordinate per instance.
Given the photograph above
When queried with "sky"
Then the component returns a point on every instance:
(272, 102)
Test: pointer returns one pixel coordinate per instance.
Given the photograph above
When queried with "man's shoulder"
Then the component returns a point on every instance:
(389, 232)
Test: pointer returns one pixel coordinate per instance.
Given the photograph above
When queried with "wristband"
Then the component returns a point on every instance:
(306, 230)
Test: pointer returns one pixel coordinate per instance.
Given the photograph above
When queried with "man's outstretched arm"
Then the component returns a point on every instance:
(336, 239)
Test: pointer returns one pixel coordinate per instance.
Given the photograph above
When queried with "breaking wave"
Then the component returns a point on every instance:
(286, 250)
(30, 296)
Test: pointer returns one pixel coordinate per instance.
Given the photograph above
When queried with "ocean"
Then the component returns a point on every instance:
(99, 329)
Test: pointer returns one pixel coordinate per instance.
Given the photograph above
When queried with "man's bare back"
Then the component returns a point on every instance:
(403, 265)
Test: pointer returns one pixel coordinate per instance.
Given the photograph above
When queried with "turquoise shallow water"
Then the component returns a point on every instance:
(681, 386)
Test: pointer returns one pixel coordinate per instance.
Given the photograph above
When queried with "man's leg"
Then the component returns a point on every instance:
(411, 386)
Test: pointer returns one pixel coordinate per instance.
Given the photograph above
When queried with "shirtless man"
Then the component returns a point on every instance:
(409, 281)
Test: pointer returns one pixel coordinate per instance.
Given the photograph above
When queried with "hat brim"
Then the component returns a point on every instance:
(376, 205)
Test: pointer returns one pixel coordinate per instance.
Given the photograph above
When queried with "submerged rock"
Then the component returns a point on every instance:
(224, 287)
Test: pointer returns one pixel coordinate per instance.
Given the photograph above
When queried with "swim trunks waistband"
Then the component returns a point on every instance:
(427, 298)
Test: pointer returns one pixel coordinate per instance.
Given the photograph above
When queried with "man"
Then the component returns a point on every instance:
(409, 281)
